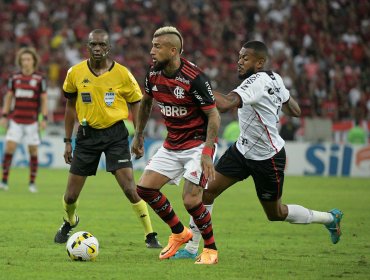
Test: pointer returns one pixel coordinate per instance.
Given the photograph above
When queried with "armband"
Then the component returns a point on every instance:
(207, 151)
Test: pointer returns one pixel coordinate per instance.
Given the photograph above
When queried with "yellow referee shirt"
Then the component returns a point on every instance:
(101, 100)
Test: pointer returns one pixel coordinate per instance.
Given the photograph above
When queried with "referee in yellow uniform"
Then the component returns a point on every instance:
(98, 91)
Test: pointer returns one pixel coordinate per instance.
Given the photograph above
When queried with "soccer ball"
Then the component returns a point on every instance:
(82, 246)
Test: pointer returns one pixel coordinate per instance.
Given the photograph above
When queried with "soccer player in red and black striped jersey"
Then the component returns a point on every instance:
(27, 89)
(184, 95)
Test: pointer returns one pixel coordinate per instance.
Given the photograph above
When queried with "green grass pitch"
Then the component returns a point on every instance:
(250, 247)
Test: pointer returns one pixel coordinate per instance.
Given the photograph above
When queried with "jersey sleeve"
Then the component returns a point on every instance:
(43, 85)
(69, 86)
(11, 84)
(250, 90)
(284, 91)
(202, 92)
(132, 90)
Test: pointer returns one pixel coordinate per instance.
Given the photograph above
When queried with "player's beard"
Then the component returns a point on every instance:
(160, 65)
(247, 74)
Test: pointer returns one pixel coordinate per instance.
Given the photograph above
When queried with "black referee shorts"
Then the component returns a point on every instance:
(268, 175)
(91, 143)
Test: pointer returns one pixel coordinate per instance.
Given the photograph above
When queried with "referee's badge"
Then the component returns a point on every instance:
(109, 98)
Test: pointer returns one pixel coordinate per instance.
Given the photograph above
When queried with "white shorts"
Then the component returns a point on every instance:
(178, 164)
(28, 132)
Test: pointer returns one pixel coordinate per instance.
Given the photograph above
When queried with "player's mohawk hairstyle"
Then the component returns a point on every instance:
(170, 30)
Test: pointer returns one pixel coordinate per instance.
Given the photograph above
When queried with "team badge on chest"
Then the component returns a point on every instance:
(179, 92)
(109, 98)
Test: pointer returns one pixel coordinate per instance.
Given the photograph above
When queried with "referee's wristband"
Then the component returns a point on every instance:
(4, 115)
(67, 140)
(44, 117)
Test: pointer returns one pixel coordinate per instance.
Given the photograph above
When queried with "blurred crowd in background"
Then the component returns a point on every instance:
(320, 48)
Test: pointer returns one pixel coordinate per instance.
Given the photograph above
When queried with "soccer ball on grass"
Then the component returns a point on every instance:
(82, 246)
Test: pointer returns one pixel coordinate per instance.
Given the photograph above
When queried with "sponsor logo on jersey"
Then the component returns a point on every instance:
(24, 93)
(209, 89)
(109, 98)
(33, 83)
(272, 91)
(86, 97)
(172, 111)
(182, 80)
(154, 88)
(86, 81)
(152, 73)
(199, 97)
(249, 81)
(179, 92)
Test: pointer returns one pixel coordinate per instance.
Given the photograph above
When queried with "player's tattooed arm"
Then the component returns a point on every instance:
(212, 131)
(137, 147)
(291, 108)
(213, 126)
(227, 102)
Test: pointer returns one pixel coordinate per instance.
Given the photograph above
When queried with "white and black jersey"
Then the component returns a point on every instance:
(262, 95)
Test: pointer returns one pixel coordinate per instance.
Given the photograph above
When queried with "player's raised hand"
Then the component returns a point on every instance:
(137, 147)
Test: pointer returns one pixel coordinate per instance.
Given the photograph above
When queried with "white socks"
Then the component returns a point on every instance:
(296, 215)
(193, 245)
(299, 215)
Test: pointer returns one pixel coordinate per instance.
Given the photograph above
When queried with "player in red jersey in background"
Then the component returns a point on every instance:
(27, 89)
(185, 97)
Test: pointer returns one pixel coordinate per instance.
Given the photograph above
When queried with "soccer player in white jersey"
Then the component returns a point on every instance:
(259, 150)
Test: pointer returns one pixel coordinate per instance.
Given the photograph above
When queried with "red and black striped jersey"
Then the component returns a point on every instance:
(182, 99)
(27, 90)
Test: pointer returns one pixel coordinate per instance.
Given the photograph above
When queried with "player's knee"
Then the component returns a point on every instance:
(191, 201)
(131, 194)
(70, 198)
(147, 194)
(188, 204)
(273, 217)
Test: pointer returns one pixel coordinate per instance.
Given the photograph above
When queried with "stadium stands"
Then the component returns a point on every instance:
(321, 48)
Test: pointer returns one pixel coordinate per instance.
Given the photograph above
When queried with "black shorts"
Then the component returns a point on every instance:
(268, 175)
(91, 143)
